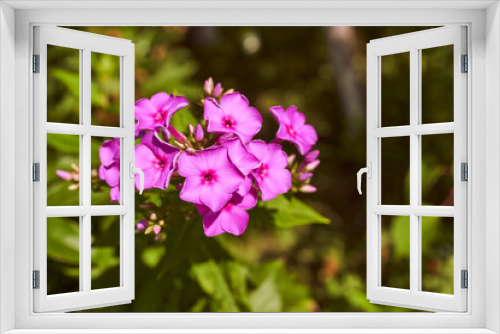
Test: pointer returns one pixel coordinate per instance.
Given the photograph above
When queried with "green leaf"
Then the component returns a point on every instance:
(212, 281)
(182, 119)
(293, 212)
(151, 256)
(69, 79)
(400, 236)
(63, 240)
(266, 297)
(70, 144)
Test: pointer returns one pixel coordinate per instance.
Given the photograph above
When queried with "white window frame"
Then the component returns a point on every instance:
(483, 20)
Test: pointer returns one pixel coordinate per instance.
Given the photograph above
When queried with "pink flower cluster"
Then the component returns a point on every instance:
(219, 166)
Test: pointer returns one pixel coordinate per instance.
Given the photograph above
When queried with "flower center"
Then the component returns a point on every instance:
(291, 131)
(228, 122)
(160, 164)
(263, 170)
(208, 177)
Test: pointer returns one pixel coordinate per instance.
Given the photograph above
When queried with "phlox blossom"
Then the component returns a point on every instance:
(293, 128)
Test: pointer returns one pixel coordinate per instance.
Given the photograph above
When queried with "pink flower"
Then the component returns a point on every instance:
(211, 178)
(243, 160)
(240, 157)
(156, 113)
(156, 159)
(232, 115)
(233, 218)
(292, 128)
(109, 170)
(271, 176)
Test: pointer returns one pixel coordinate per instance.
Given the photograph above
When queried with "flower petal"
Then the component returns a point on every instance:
(234, 220)
(109, 152)
(190, 191)
(278, 181)
(114, 193)
(247, 202)
(111, 175)
(211, 224)
(188, 164)
(234, 102)
(245, 187)
(214, 196)
(240, 157)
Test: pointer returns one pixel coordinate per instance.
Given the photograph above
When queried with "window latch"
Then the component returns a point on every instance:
(133, 171)
(368, 171)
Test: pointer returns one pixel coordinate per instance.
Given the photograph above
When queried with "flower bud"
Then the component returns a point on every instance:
(157, 229)
(208, 87)
(179, 136)
(65, 175)
(218, 90)
(291, 159)
(305, 176)
(191, 129)
(153, 216)
(312, 165)
(142, 224)
(198, 133)
(311, 156)
(178, 186)
(307, 188)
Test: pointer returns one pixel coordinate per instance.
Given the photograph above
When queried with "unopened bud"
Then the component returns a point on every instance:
(198, 133)
(307, 188)
(208, 87)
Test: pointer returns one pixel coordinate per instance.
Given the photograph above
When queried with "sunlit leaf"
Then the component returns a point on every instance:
(266, 298)
(293, 212)
(212, 281)
(151, 256)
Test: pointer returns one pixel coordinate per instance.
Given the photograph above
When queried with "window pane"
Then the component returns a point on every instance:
(105, 171)
(63, 255)
(105, 81)
(395, 161)
(437, 169)
(395, 251)
(63, 84)
(395, 95)
(437, 84)
(437, 254)
(63, 172)
(105, 252)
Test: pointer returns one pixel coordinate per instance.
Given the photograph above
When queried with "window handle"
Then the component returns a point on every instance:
(368, 171)
(134, 170)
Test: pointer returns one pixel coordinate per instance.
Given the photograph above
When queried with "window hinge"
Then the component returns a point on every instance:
(36, 63)
(464, 171)
(465, 64)
(464, 279)
(36, 279)
(36, 172)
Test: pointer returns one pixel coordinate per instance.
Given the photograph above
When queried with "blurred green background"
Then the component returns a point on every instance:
(290, 258)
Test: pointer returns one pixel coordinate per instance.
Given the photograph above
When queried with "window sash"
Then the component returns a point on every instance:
(86, 43)
(413, 43)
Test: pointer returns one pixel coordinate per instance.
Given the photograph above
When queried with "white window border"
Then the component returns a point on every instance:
(484, 149)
